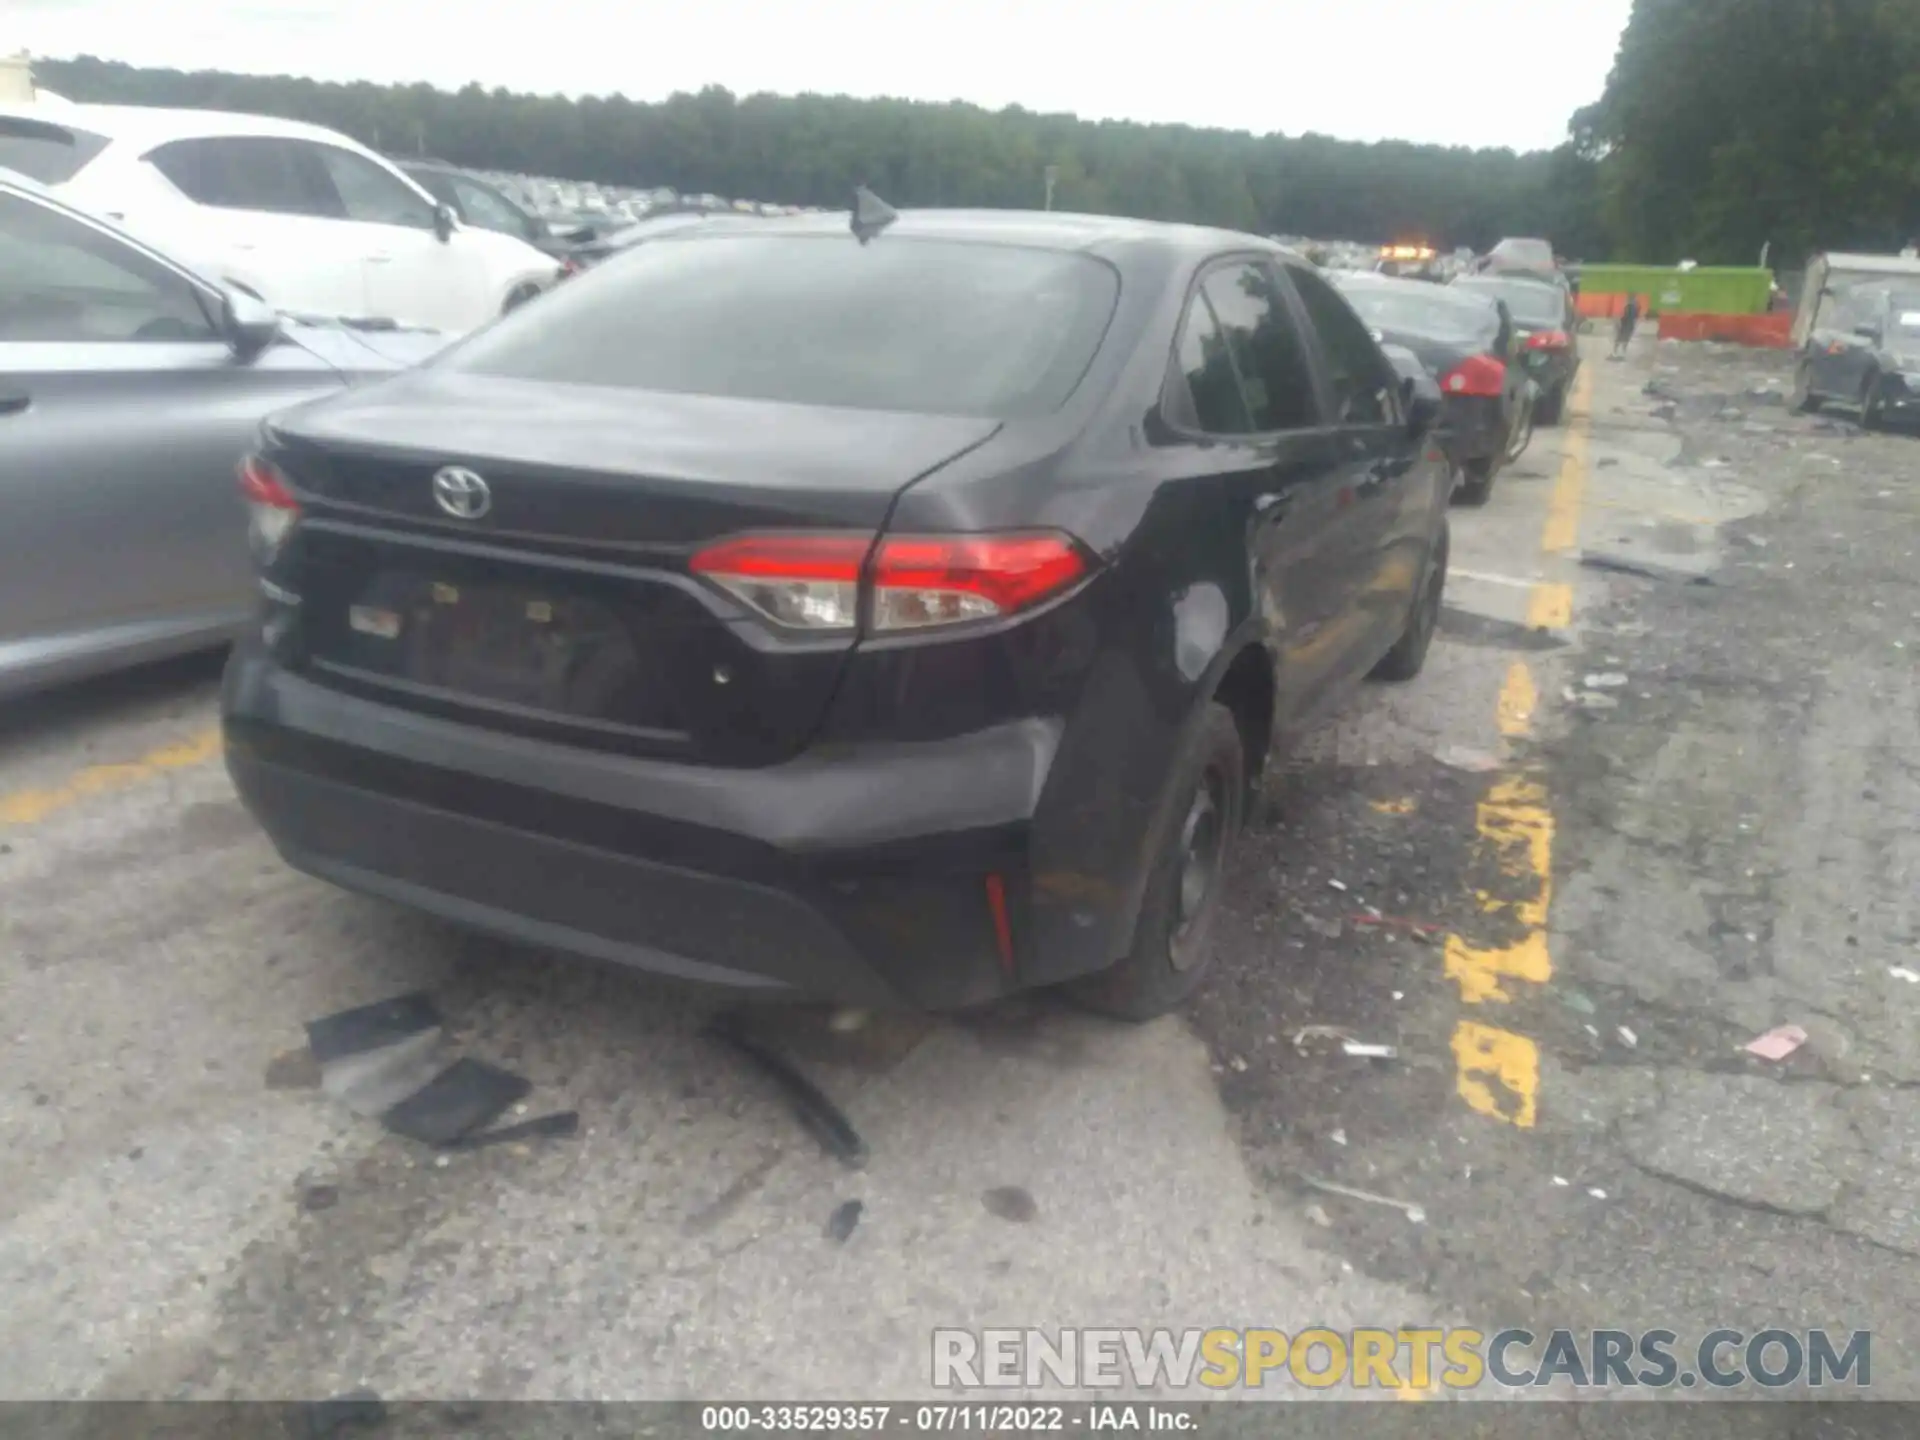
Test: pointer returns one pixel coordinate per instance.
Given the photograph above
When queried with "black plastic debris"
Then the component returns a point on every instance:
(356, 1410)
(1010, 1202)
(460, 1099)
(371, 1027)
(845, 1216)
(1615, 565)
(820, 1116)
(557, 1126)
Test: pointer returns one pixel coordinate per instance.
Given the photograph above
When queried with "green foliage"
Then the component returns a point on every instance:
(812, 149)
(1730, 123)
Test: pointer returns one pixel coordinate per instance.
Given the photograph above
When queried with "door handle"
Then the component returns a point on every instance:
(381, 258)
(12, 402)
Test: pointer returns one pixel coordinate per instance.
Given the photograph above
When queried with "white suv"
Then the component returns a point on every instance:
(301, 216)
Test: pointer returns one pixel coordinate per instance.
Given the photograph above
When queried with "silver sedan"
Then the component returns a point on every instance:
(129, 388)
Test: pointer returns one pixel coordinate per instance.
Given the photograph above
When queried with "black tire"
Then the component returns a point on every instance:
(1409, 653)
(1873, 405)
(1173, 938)
(1551, 407)
(1476, 484)
(518, 296)
(1801, 400)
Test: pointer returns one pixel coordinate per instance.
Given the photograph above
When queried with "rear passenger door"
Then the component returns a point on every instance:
(271, 222)
(1243, 389)
(1384, 515)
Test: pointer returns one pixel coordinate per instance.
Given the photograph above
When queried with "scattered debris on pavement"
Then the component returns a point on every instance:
(845, 1216)
(466, 1096)
(1010, 1202)
(821, 1118)
(1778, 1043)
(1416, 1213)
(387, 1062)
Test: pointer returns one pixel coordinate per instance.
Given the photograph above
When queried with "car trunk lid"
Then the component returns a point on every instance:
(563, 606)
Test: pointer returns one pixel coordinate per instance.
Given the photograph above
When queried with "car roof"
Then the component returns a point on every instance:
(1038, 229)
(149, 125)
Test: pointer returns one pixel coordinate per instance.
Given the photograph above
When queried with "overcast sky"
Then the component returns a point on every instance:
(1456, 72)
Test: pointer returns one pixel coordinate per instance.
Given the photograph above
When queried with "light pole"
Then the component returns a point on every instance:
(1052, 173)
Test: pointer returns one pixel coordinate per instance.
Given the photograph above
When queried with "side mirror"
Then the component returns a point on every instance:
(444, 221)
(249, 324)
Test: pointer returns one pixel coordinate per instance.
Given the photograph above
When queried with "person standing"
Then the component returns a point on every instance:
(1623, 332)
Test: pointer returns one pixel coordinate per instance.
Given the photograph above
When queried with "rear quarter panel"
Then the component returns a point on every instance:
(1121, 666)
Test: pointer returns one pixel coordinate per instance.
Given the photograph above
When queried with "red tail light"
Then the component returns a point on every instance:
(271, 507)
(1476, 375)
(1548, 340)
(813, 582)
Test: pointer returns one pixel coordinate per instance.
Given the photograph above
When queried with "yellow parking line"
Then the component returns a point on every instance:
(1496, 1071)
(1550, 607)
(30, 807)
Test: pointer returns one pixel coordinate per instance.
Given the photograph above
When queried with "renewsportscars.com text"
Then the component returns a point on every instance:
(1397, 1359)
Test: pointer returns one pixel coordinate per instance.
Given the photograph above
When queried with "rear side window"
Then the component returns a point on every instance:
(929, 326)
(247, 172)
(51, 154)
(1242, 358)
(1363, 383)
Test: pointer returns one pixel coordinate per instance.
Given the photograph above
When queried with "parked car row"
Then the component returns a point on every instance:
(296, 215)
(889, 608)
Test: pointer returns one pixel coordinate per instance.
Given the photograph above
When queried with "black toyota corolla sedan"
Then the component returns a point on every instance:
(896, 617)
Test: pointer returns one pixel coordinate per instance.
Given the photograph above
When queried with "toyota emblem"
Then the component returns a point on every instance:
(461, 493)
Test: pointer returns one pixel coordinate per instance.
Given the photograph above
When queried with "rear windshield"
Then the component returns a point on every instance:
(1431, 316)
(51, 154)
(932, 326)
(1534, 305)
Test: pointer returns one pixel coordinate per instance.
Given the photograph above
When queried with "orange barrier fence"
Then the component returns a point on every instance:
(1768, 332)
(1603, 307)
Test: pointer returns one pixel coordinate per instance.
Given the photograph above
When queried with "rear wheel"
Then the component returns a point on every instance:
(1409, 653)
(518, 296)
(1551, 407)
(1173, 939)
(1476, 484)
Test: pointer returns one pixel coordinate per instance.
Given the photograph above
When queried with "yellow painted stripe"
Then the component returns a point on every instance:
(1569, 488)
(1496, 1071)
(1550, 607)
(1518, 697)
(30, 807)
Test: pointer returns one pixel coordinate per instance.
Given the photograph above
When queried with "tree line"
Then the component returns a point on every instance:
(1725, 125)
(813, 149)
(1728, 125)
